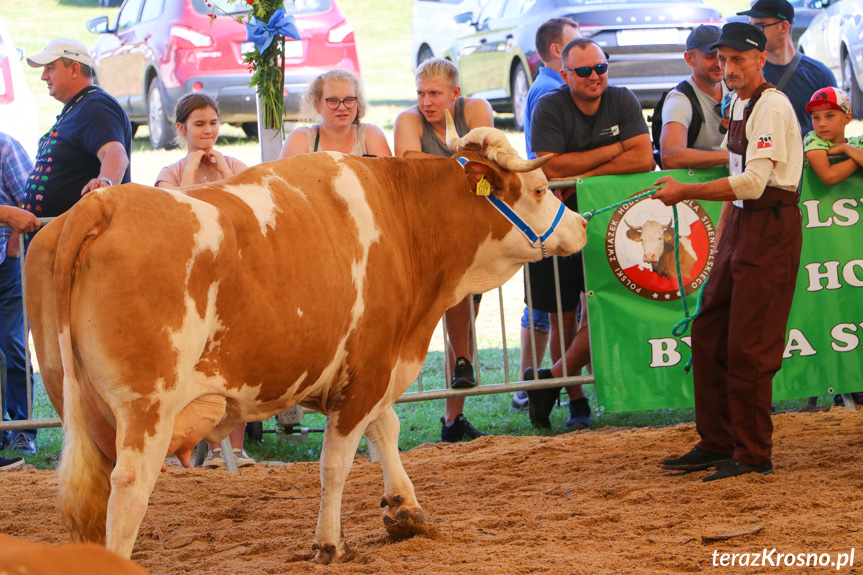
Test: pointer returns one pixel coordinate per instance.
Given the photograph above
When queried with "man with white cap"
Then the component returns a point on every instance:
(89, 145)
(738, 337)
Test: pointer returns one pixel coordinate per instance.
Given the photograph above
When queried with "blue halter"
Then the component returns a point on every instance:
(519, 223)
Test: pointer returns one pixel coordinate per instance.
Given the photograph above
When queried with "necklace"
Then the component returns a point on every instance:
(205, 172)
(204, 177)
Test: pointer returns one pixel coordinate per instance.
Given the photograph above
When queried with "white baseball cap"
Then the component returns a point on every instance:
(61, 48)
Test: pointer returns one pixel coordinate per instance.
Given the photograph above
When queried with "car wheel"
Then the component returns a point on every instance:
(852, 88)
(250, 129)
(425, 53)
(161, 130)
(518, 98)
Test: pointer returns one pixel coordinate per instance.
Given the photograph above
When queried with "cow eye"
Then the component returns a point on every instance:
(539, 191)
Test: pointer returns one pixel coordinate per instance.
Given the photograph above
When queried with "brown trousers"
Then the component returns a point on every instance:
(739, 337)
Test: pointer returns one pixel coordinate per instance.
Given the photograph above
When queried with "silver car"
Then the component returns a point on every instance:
(835, 37)
(644, 40)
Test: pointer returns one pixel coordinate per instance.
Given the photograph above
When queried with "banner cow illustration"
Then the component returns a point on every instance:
(657, 241)
(162, 317)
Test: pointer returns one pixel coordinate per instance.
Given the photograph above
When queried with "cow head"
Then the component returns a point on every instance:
(653, 236)
(519, 186)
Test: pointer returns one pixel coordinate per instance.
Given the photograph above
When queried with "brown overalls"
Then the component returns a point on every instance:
(739, 337)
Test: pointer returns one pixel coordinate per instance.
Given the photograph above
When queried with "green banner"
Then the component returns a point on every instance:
(634, 301)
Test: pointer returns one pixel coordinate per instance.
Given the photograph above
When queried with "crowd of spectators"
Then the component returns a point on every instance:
(588, 128)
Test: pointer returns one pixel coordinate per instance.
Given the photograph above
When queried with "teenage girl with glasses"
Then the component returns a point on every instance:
(336, 99)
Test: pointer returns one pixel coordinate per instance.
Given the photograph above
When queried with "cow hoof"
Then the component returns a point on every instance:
(330, 553)
(402, 521)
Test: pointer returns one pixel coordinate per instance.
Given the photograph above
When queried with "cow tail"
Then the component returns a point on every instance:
(84, 471)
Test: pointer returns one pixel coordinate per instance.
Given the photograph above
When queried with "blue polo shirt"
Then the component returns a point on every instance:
(68, 153)
(547, 81)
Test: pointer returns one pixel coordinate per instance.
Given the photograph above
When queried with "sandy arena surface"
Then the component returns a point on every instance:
(584, 502)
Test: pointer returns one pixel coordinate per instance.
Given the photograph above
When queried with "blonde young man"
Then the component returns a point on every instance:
(422, 128)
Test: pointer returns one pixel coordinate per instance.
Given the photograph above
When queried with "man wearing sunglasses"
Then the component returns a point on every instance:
(678, 114)
(738, 337)
(589, 129)
(797, 75)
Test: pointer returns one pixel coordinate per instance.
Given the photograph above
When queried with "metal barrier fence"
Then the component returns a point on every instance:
(509, 384)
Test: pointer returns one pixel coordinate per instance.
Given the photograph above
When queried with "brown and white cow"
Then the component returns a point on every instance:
(161, 318)
(657, 241)
(22, 557)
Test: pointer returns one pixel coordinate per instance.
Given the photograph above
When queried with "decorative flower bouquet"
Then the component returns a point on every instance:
(267, 26)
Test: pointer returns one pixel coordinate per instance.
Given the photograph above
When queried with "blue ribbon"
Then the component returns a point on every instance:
(262, 34)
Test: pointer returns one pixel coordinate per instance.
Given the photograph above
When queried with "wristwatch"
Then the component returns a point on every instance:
(106, 180)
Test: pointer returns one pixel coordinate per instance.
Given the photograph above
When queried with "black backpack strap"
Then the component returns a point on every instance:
(687, 90)
(789, 71)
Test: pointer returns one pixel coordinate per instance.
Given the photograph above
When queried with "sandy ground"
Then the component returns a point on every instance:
(584, 502)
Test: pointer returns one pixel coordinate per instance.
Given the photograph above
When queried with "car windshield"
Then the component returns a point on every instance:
(241, 7)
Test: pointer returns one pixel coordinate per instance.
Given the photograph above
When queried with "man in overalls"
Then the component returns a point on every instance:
(739, 337)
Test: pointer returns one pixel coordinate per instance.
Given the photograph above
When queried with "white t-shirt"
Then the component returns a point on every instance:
(678, 109)
(773, 133)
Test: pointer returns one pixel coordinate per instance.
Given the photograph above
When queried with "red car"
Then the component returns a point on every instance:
(159, 50)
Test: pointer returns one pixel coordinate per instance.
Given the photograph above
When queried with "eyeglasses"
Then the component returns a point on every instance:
(763, 26)
(334, 103)
(585, 71)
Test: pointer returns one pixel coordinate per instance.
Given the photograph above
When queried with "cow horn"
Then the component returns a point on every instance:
(451, 134)
(637, 229)
(513, 163)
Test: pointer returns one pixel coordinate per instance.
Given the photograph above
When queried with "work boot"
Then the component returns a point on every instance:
(696, 460)
(734, 467)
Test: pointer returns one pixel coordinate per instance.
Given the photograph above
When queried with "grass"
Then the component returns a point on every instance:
(420, 421)
(383, 37)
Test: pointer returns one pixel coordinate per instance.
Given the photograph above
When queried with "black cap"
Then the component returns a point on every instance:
(703, 38)
(741, 36)
(781, 9)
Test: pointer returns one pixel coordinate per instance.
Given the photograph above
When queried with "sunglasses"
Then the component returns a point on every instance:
(585, 71)
(334, 103)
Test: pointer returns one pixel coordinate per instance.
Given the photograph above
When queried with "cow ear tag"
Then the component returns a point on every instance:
(483, 187)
